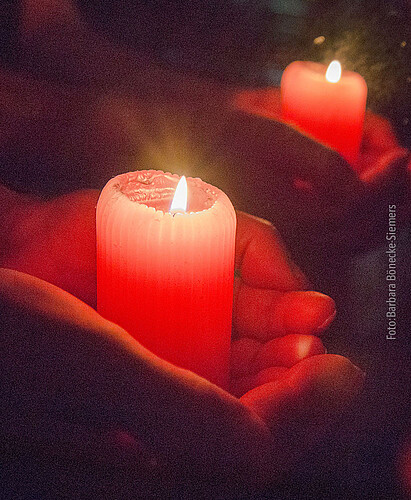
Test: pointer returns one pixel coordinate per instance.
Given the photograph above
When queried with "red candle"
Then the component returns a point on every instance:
(166, 274)
(325, 103)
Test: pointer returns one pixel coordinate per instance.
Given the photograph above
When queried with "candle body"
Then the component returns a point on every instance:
(333, 113)
(168, 278)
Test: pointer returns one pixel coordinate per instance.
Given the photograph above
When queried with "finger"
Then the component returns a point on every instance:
(244, 384)
(74, 271)
(249, 356)
(39, 234)
(261, 257)
(287, 351)
(68, 365)
(301, 403)
(380, 152)
(264, 314)
(312, 392)
(379, 148)
(378, 134)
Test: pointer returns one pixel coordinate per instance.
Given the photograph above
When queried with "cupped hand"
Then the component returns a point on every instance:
(83, 387)
(379, 149)
(326, 202)
(80, 385)
(274, 318)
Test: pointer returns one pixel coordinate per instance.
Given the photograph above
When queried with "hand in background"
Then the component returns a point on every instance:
(96, 109)
(82, 387)
(327, 207)
(379, 150)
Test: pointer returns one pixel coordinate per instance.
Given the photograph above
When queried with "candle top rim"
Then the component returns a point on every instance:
(153, 190)
(318, 71)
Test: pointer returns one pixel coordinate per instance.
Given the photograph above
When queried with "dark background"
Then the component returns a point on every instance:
(249, 43)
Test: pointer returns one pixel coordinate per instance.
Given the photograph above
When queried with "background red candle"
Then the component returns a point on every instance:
(167, 277)
(327, 106)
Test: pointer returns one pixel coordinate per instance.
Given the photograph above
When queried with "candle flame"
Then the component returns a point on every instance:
(333, 73)
(179, 203)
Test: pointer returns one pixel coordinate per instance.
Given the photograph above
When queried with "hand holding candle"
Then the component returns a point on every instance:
(105, 379)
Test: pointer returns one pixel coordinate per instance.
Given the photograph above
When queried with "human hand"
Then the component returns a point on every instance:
(185, 122)
(103, 382)
(306, 189)
(381, 178)
(88, 92)
(37, 234)
(379, 148)
(61, 133)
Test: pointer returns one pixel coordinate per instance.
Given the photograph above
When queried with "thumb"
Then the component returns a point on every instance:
(301, 405)
(70, 379)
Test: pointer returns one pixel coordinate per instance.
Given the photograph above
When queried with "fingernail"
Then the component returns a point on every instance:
(307, 313)
(326, 323)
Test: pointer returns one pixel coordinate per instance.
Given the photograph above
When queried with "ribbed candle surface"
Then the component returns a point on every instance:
(168, 278)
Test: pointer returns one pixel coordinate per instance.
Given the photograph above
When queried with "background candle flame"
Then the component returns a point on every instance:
(179, 203)
(333, 73)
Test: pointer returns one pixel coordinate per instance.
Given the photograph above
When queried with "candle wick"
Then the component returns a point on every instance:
(175, 211)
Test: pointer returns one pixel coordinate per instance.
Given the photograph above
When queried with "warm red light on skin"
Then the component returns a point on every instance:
(287, 351)
(243, 353)
(257, 247)
(101, 364)
(245, 384)
(379, 149)
(38, 242)
(308, 384)
(262, 102)
(269, 374)
(254, 363)
(292, 312)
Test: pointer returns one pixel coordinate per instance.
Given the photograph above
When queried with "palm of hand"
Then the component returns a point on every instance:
(273, 319)
(56, 242)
